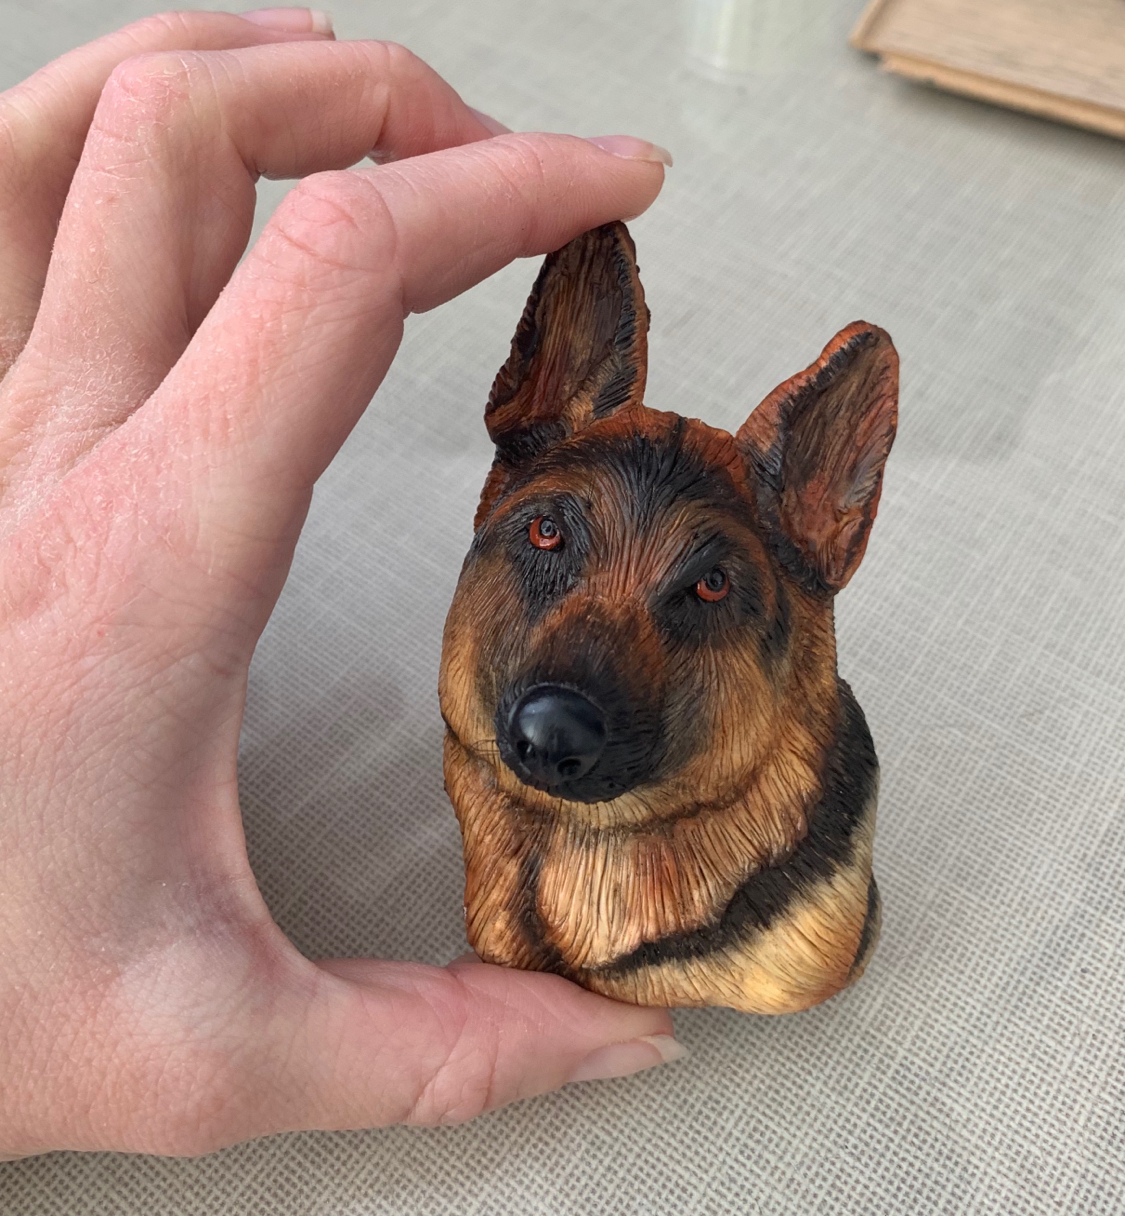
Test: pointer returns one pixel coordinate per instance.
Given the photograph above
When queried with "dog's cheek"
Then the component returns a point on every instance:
(685, 731)
(457, 678)
(484, 635)
(722, 718)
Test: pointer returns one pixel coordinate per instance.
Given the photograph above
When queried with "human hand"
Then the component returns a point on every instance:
(164, 418)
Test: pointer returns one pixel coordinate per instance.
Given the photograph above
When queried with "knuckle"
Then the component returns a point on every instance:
(150, 92)
(460, 1090)
(159, 28)
(462, 1082)
(400, 59)
(527, 173)
(522, 165)
(326, 201)
(152, 78)
(335, 218)
(526, 158)
(10, 133)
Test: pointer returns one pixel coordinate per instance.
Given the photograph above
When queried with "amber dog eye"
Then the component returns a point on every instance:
(544, 533)
(712, 586)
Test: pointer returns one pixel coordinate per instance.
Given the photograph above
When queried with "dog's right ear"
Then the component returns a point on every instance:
(579, 354)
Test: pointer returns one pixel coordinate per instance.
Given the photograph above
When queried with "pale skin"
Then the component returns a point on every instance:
(164, 414)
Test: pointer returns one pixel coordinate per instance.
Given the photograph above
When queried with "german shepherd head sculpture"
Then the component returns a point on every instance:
(666, 792)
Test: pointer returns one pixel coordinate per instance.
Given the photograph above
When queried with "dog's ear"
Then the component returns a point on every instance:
(580, 352)
(815, 449)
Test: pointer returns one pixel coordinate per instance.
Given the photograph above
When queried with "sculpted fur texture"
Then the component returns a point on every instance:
(666, 792)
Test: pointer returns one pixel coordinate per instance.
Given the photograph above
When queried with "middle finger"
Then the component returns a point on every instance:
(162, 206)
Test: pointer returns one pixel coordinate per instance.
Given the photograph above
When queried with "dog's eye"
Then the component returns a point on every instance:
(544, 533)
(713, 586)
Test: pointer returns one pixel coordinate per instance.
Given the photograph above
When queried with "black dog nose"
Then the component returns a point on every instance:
(557, 734)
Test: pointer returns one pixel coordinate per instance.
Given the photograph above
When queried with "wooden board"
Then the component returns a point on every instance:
(1063, 59)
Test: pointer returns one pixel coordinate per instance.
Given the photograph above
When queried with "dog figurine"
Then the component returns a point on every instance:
(666, 792)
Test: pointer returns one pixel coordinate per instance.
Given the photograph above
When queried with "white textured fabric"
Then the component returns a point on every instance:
(979, 1067)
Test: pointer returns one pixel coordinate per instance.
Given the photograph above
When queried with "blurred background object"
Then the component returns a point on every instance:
(729, 38)
(1063, 59)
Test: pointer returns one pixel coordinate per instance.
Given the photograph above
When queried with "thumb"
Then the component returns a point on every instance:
(391, 1042)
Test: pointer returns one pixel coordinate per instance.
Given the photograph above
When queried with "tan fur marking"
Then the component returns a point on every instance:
(493, 860)
(798, 962)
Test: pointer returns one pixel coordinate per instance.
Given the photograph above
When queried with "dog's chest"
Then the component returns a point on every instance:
(588, 896)
(602, 893)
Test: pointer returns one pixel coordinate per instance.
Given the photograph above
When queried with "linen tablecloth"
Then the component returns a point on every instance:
(979, 1067)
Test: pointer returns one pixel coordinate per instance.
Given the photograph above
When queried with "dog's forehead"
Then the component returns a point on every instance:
(649, 463)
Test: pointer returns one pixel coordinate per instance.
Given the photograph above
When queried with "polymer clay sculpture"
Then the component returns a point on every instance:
(666, 792)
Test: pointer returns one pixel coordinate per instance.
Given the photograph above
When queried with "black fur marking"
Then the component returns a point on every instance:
(775, 641)
(518, 447)
(617, 388)
(686, 620)
(797, 564)
(849, 782)
(870, 926)
(527, 915)
(543, 576)
(655, 472)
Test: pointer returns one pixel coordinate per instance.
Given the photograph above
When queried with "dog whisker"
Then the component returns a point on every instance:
(491, 745)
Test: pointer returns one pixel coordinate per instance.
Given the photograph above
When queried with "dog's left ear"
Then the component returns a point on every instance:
(579, 354)
(815, 449)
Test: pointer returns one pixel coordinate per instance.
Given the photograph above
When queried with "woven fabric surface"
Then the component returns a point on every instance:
(979, 1067)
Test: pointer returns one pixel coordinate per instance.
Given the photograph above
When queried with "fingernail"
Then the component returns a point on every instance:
(621, 1059)
(490, 124)
(630, 148)
(291, 20)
